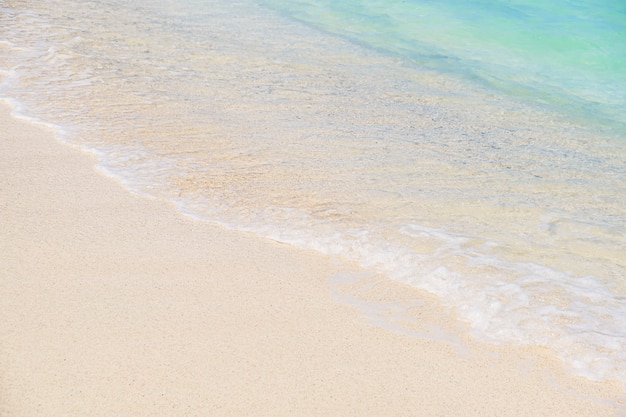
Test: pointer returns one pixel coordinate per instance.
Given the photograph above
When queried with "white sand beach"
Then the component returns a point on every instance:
(117, 305)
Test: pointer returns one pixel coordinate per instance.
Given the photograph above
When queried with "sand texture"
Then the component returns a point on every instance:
(114, 304)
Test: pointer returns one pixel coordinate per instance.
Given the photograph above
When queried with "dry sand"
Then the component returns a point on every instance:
(113, 304)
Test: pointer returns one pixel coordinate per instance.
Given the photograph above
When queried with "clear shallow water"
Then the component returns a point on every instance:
(566, 54)
(508, 206)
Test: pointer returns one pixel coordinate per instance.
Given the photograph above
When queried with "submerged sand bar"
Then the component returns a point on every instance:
(117, 305)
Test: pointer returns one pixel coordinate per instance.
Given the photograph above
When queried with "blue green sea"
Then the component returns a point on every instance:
(472, 149)
(568, 55)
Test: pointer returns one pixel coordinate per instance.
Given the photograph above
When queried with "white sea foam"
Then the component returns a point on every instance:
(580, 318)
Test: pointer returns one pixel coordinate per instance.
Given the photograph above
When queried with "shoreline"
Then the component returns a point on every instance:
(115, 304)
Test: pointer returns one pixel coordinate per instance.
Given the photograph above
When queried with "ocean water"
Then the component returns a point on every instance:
(475, 149)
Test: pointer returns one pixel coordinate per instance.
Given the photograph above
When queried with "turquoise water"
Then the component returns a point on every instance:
(569, 55)
(473, 150)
